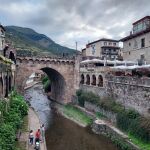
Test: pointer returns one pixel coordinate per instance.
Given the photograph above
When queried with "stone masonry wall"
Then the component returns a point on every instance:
(131, 92)
(94, 108)
(96, 90)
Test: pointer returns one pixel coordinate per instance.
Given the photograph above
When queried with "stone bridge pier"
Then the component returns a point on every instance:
(63, 73)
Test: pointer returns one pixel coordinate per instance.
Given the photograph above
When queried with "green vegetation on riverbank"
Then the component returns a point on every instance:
(46, 84)
(12, 113)
(140, 143)
(128, 120)
(77, 115)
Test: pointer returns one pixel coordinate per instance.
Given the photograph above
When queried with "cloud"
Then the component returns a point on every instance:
(81, 20)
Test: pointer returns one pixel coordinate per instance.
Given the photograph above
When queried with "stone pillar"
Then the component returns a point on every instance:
(77, 72)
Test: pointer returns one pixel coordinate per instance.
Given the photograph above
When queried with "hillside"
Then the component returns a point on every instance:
(28, 40)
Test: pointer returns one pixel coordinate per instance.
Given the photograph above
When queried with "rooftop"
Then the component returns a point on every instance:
(103, 39)
(146, 17)
(135, 35)
(113, 62)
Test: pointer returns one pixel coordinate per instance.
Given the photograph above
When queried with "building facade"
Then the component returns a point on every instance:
(136, 46)
(2, 38)
(103, 48)
(7, 67)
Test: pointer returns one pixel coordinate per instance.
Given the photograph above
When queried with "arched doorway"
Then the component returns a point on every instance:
(82, 79)
(88, 79)
(100, 81)
(12, 57)
(6, 88)
(94, 80)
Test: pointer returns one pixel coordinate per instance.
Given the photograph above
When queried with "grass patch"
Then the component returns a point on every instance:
(20, 145)
(77, 115)
(138, 142)
(99, 115)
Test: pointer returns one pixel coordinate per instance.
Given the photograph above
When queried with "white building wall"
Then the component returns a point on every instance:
(134, 51)
(96, 48)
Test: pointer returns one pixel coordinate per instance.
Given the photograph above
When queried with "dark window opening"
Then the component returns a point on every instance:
(82, 79)
(142, 42)
(87, 79)
(100, 81)
(93, 80)
(12, 57)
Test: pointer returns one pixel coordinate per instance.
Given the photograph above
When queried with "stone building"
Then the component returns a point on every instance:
(103, 48)
(123, 81)
(2, 38)
(7, 67)
(92, 74)
(136, 46)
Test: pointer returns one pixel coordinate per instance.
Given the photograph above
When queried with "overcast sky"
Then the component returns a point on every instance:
(67, 21)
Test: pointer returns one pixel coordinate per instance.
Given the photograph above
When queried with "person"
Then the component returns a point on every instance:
(42, 132)
(37, 136)
(31, 137)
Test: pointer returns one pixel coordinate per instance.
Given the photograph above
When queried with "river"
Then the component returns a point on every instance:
(61, 133)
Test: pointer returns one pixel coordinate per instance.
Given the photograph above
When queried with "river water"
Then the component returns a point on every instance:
(61, 133)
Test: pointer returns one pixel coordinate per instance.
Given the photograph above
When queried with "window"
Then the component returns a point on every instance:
(114, 44)
(109, 43)
(142, 42)
(105, 43)
(129, 53)
(93, 49)
(129, 44)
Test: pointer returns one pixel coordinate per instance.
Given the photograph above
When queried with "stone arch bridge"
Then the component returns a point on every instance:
(63, 73)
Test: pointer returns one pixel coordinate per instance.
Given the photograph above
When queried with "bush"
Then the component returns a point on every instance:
(12, 120)
(7, 137)
(19, 106)
(86, 96)
(46, 83)
(127, 119)
(130, 121)
(45, 79)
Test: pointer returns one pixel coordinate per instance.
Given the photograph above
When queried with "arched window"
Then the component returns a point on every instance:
(7, 88)
(12, 57)
(87, 79)
(100, 81)
(93, 80)
(82, 79)
(10, 83)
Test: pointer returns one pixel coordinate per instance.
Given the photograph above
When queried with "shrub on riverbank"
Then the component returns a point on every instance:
(46, 83)
(128, 120)
(137, 125)
(107, 104)
(77, 115)
(12, 116)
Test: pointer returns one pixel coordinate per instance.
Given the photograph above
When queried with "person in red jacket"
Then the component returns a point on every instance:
(37, 136)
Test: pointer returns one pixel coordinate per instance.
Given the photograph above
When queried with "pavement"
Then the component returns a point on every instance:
(34, 124)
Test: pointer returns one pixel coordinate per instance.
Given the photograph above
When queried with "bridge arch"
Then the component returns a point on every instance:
(64, 76)
(58, 83)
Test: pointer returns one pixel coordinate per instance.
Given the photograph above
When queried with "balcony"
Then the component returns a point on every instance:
(109, 53)
(94, 69)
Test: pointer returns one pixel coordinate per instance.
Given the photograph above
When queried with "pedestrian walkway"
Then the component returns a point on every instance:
(34, 124)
